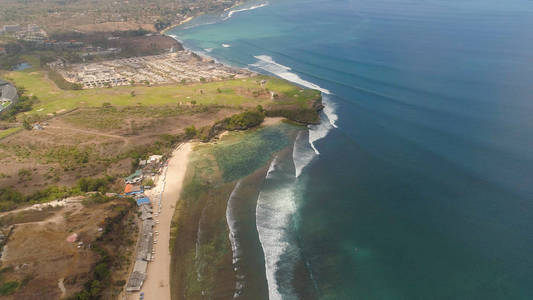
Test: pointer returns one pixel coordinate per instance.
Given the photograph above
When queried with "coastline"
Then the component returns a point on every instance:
(176, 25)
(188, 19)
(169, 186)
(204, 260)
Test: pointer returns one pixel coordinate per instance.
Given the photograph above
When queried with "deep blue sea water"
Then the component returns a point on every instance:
(423, 188)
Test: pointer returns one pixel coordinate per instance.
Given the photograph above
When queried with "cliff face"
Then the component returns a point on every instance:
(308, 114)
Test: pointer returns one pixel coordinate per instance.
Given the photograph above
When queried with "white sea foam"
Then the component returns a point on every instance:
(275, 208)
(226, 45)
(266, 63)
(235, 247)
(330, 110)
(302, 154)
(232, 12)
(197, 25)
(319, 131)
(208, 50)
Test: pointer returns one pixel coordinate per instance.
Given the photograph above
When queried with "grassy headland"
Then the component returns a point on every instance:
(97, 132)
(233, 92)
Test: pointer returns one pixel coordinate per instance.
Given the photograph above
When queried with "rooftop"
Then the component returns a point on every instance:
(7, 91)
(142, 201)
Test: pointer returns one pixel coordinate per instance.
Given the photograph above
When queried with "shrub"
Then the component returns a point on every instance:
(95, 184)
(101, 271)
(8, 288)
(148, 182)
(190, 132)
(26, 124)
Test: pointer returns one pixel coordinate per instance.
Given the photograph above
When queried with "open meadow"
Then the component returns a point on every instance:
(236, 92)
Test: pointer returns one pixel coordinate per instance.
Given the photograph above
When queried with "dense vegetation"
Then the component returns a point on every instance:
(61, 82)
(12, 57)
(244, 120)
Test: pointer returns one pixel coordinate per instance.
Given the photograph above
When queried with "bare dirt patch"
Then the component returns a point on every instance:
(39, 257)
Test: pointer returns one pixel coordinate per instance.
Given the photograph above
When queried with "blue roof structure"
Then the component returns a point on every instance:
(142, 201)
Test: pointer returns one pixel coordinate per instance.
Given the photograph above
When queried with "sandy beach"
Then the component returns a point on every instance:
(156, 285)
(176, 25)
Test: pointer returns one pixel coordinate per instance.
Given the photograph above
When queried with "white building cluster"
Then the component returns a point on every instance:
(180, 67)
(28, 33)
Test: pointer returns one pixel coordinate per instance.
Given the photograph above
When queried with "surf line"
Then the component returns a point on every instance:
(316, 132)
(232, 12)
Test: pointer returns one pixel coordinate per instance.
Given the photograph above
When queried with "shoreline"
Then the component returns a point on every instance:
(164, 31)
(204, 261)
(157, 282)
(188, 19)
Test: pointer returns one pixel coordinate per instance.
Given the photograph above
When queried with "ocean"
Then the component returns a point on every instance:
(418, 183)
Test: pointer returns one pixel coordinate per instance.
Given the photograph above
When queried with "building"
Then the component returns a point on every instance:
(3, 51)
(144, 255)
(33, 28)
(137, 277)
(11, 28)
(8, 94)
(143, 200)
(135, 177)
(131, 189)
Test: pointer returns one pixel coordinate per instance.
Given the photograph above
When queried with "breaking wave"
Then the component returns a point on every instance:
(316, 132)
(274, 217)
(330, 110)
(319, 131)
(266, 63)
(302, 154)
(232, 12)
(235, 246)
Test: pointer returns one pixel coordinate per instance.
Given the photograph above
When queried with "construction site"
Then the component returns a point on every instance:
(176, 67)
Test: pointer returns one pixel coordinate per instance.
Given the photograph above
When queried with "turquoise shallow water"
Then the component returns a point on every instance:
(423, 190)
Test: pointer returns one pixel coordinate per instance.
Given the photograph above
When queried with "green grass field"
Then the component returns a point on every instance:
(230, 92)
